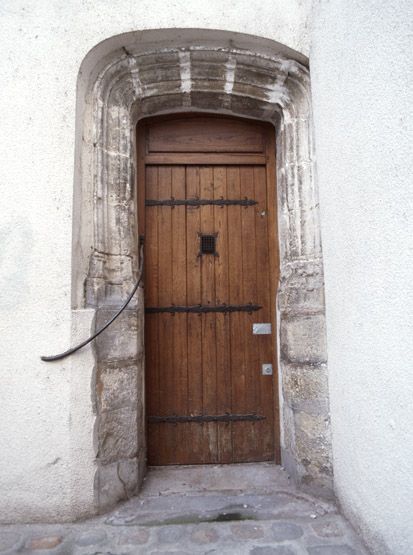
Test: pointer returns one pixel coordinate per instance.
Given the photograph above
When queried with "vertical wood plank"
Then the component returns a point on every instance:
(194, 346)
(236, 297)
(208, 321)
(249, 444)
(223, 368)
(179, 321)
(167, 440)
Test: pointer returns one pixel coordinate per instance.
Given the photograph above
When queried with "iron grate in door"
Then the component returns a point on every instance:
(208, 244)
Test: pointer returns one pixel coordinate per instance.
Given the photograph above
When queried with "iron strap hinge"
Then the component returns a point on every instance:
(200, 202)
(202, 309)
(174, 419)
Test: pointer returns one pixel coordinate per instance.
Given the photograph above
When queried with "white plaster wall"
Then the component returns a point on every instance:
(362, 80)
(46, 451)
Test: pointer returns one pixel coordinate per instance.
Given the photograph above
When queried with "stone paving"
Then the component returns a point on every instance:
(223, 510)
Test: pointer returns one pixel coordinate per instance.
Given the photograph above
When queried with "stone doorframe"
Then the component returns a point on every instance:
(139, 74)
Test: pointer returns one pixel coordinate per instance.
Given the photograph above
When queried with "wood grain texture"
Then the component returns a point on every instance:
(198, 158)
(210, 363)
(205, 134)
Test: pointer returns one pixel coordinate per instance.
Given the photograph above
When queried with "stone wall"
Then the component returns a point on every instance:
(120, 421)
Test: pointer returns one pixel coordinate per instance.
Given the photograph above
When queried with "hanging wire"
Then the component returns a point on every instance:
(92, 337)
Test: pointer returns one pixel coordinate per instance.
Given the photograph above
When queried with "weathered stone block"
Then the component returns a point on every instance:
(206, 71)
(298, 145)
(94, 292)
(302, 287)
(158, 73)
(117, 434)
(245, 105)
(96, 263)
(249, 59)
(263, 78)
(288, 428)
(301, 298)
(315, 426)
(313, 448)
(115, 482)
(208, 57)
(122, 340)
(159, 89)
(306, 387)
(214, 87)
(303, 339)
(253, 90)
(118, 268)
(156, 104)
(117, 387)
(208, 100)
(164, 58)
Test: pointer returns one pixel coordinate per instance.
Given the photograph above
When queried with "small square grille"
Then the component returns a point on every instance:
(208, 244)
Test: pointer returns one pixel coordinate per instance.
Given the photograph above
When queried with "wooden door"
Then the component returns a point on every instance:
(210, 275)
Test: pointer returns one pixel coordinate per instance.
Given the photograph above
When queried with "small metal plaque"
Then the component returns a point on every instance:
(267, 369)
(261, 329)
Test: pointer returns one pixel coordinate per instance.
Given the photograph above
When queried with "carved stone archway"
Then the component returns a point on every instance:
(148, 73)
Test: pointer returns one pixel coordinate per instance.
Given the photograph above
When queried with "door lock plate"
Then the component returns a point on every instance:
(267, 369)
(261, 329)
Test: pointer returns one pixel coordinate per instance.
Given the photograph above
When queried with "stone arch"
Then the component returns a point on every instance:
(148, 73)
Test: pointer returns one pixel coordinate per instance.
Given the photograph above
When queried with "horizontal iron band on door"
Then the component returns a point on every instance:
(201, 202)
(201, 309)
(206, 418)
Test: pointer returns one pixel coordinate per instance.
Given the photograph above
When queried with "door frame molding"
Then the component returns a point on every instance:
(139, 74)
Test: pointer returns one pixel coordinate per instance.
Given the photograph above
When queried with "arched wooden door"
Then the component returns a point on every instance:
(207, 211)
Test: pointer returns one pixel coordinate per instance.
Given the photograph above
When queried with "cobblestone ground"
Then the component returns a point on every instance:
(200, 512)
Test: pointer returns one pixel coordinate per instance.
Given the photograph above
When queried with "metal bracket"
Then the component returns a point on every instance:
(202, 309)
(201, 202)
(261, 329)
(267, 369)
(174, 419)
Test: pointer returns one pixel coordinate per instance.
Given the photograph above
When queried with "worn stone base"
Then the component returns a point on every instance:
(119, 402)
(207, 509)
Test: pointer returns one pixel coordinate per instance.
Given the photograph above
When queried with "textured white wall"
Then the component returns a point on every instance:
(362, 79)
(46, 451)
(361, 70)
